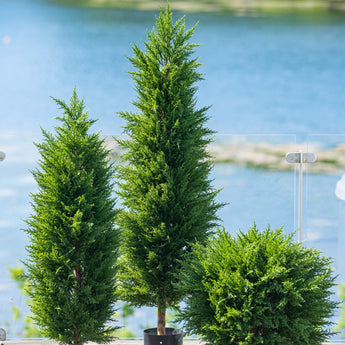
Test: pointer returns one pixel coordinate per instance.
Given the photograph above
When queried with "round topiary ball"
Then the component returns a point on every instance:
(258, 288)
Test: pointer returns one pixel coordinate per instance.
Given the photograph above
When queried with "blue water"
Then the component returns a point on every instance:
(282, 74)
(268, 76)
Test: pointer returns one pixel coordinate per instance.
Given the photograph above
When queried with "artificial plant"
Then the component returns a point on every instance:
(167, 195)
(71, 263)
(258, 288)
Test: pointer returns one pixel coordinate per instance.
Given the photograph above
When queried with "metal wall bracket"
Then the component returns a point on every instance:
(2, 335)
(300, 158)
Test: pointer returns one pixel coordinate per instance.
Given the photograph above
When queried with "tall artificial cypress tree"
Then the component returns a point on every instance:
(168, 200)
(73, 247)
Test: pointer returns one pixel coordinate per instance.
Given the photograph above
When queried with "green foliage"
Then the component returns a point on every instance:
(124, 312)
(165, 189)
(73, 248)
(340, 327)
(125, 333)
(30, 328)
(258, 288)
(17, 275)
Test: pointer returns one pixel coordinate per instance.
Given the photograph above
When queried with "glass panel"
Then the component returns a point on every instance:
(324, 215)
(256, 181)
(16, 183)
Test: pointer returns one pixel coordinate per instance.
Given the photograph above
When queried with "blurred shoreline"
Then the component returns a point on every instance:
(245, 7)
(264, 155)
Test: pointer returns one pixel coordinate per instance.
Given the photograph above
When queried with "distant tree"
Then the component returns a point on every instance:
(124, 313)
(73, 248)
(30, 330)
(340, 327)
(165, 187)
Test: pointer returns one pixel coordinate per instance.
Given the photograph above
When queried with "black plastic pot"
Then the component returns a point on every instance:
(173, 336)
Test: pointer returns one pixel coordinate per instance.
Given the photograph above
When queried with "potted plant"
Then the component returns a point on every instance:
(165, 188)
(257, 288)
(73, 247)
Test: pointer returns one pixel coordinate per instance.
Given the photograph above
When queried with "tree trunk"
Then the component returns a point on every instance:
(161, 318)
(76, 335)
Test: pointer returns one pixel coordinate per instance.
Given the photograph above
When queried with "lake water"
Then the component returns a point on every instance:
(276, 79)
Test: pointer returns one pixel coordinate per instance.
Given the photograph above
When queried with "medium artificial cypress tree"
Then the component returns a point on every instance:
(73, 246)
(258, 288)
(168, 200)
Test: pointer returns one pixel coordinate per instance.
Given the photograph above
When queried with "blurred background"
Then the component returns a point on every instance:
(274, 77)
